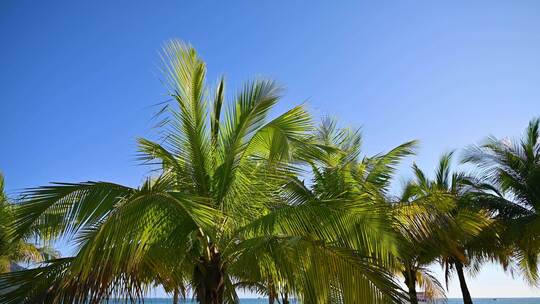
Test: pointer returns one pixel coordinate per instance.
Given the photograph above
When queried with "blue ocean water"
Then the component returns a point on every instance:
(498, 301)
(449, 301)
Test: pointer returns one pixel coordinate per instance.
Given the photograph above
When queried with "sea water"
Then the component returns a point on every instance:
(449, 301)
(498, 301)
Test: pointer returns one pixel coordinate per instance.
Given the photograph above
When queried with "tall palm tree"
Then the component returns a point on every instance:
(213, 213)
(510, 170)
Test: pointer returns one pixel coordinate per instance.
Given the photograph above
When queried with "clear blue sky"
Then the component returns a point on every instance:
(78, 80)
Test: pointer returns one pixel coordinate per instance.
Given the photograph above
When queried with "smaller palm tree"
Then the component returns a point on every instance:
(510, 170)
(466, 247)
(341, 174)
(14, 249)
(451, 224)
(420, 223)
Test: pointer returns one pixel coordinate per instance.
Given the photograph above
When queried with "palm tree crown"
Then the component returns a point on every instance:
(510, 170)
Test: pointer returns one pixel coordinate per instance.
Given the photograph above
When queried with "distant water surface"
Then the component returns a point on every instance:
(449, 301)
(499, 301)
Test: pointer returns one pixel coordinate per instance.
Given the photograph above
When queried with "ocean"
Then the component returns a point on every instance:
(498, 301)
(449, 301)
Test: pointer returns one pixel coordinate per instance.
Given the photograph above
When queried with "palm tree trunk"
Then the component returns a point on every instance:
(210, 278)
(271, 292)
(175, 296)
(410, 281)
(463, 284)
(286, 298)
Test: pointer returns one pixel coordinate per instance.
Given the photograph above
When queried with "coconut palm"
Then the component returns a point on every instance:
(421, 219)
(341, 174)
(14, 249)
(510, 170)
(420, 223)
(438, 222)
(212, 214)
(463, 244)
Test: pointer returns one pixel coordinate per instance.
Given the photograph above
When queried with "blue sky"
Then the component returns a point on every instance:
(78, 81)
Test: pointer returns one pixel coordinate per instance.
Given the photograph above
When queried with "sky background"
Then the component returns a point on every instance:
(79, 81)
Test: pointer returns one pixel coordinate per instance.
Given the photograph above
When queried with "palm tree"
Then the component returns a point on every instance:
(421, 223)
(425, 221)
(510, 170)
(15, 249)
(465, 245)
(340, 174)
(441, 223)
(213, 213)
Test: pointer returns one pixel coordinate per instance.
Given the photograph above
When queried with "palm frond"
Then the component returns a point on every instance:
(187, 131)
(65, 208)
